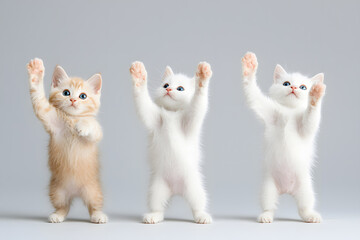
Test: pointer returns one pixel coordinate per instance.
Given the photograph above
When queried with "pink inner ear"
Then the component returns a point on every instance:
(95, 82)
(318, 78)
(55, 82)
(58, 76)
(278, 72)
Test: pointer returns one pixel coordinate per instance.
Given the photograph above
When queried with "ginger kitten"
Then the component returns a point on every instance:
(69, 116)
(174, 123)
(292, 117)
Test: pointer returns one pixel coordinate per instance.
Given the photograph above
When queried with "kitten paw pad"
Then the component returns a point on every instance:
(99, 217)
(316, 92)
(312, 218)
(35, 69)
(153, 218)
(202, 218)
(249, 64)
(204, 70)
(138, 72)
(56, 218)
(203, 73)
(266, 217)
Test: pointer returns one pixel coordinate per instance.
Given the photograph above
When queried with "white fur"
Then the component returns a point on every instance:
(291, 124)
(174, 124)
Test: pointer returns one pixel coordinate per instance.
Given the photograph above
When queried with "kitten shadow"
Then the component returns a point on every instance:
(178, 220)
(77, 220)
(138, 218)
(24, 217)
(287, 220)
(43, 219)
(125, 217)
(235, 217)
(253, 219)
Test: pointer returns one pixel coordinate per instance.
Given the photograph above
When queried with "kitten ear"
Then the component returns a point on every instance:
(278, 72)
(58, 76)
(318, 78)
(168, 72)
(95, 82)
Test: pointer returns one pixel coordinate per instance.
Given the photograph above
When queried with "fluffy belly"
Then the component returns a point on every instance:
(176, 183)
(285, 179)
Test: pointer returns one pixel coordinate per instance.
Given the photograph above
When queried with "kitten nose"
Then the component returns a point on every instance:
(168, 89)
(293, 87)
(72, 100)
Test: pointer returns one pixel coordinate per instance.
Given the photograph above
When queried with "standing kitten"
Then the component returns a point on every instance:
(69, 117)
(174, 123)
(292, 118)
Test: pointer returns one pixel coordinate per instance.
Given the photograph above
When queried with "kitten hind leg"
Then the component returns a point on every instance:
(61, 201)
(93, 199)
(196, 196)
(269, 198)
(158, 197)
(305, 198)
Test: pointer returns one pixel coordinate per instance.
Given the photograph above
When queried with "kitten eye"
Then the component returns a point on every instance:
(166, 85)
(83, 96)
(66, 92)
(286, 84)
(303, 87)
(180, 88)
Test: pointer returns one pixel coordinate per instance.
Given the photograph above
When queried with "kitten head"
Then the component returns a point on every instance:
(292, 89)
(75, 96)
(176, 91)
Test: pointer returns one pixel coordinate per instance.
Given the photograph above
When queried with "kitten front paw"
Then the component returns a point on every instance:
(311, 217)
(202, 218)
(36, 70)
(203, 73)
(138, 73)
(249, 64)
(56, 218)
(83, 129)
(99, 217)
(316, 93)
(266, 217)
(153, 218)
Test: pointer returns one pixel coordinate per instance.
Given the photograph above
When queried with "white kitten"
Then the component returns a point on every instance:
(174, 123)
(292, 118)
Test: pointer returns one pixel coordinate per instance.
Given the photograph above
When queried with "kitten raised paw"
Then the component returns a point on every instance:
(36, 70)
(153, 218)
(249, 64)
(204, 71)
(56, 218)
(202, 218)
(138, 73)
(266, 217)
(317, 91)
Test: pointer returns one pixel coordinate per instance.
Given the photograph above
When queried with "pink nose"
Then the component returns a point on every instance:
(72, 100)
(292, 87)
(168, 89)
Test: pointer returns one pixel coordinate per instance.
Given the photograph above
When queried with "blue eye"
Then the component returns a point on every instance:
(180, 88)
(66, 92)
(166, 85)
(303, 87)
(286, 84)
(83, 96)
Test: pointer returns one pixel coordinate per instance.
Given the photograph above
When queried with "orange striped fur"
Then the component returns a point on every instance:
(74, 136)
